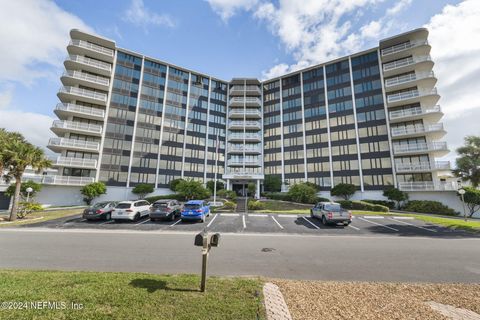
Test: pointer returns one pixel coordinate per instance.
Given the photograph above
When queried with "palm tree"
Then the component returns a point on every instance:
(20, 155)
(6, 140)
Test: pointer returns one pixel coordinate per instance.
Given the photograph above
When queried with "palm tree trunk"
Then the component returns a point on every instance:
(13, 213)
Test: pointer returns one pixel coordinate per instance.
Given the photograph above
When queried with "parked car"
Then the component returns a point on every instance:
(165, 210)
(131, 210)
(331, 213)
(195, 210)
(100, 211)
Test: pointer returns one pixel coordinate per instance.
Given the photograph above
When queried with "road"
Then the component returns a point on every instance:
(322, 257)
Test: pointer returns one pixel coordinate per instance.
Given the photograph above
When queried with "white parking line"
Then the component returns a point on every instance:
(229, 214)
(404, 218)
(353, 227)
(379, 224)
(410, 224)
(277, 222)
(83, 220)
(244, 224)
(178, 221)
(287, 215)
(211, 221)
(142, 222)
(257, 215)
(313, 224)
(374, 217)
(106, 222)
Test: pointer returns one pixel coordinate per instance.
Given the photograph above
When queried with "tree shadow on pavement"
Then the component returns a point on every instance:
(153, 285)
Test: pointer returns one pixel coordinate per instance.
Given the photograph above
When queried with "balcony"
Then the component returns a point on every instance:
(247, 113)
(59, 144)
(244, 148)
(67, 94)
(242, 174)
(436, 131)
(422, 166)
(428, 186)
(80, 47)
(245, 101)
(240, 90)
(429, 97)
(60, 180)
(244, 124)
(247, 137)
(433, 114)
(73, 78)
(410, 64)
(241, 162)
(75, 162)
(60, 127)
(64, 110)
(439, 148)
(423, 79)
(420, 46)
(74, 62)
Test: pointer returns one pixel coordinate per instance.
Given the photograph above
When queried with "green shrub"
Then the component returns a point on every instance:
(361, 205)
(192, 189)
(278, 196)
(229, 205)
(272, 183)
(227, 194)
(174, 183)
(389, 204)
(166, 196)
(93, 190)
(255, 205)
(302, 193)
(211, 185)
(426, 206)
(143, 189)
(344, 190)
(321, 199)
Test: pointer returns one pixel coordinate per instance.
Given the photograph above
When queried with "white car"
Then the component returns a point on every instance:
(131, 210)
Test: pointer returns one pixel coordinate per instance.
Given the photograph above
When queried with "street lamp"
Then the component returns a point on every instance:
(29, 190)
(462, 192)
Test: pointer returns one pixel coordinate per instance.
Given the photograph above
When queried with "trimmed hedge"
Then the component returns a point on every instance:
(426, 206)
(255, 205)
(361, 205)
(166, 196)
(229, 205)
(282, 196)
(386, 203)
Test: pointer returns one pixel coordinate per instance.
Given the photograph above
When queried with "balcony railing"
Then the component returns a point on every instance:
(72, 125)
(244, 124)
(245, 100)
(404, 62)
(247, 136)
(428, 186)
(87, 77)
(75, 108)
(60, 180)
(90, 62)
(410, 94)
(243, 148)
(403, 46)
(408, 78)
(75, 162)
(84, 93)
(400, 131)
(248, 88)
(93, 47)
(413, 112)
(422, 166)
(248, 112)
(72, 143)
(420, 147)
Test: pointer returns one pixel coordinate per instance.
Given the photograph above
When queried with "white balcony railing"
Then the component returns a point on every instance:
(422, 166)
(410, 94)
(420, 147)
(428, 186)
(75, 162)
(408, 78)
(244, 148)
(400, 131)
(247, 136)
(73, 125)
(75, 108)
(90, 62)
(242, 161)
(249, 88)
(241, 112)
(245, 100)
(84, 93)
(403, 46)
(405, 62)
(93, 47)
(87, 77)
(244, 124)
(73, 143)
(413, 112)
(60, 180)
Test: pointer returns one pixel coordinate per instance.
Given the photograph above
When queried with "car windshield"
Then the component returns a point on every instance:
(332, 207)
(190, 206)
(160, 205)
(123, 205)
(99, 205)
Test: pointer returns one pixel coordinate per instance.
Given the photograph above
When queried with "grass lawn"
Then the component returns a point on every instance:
(44, 215)
(469, 225)
(131, 296)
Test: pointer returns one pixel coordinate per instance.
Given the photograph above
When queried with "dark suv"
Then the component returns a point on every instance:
(165, 210)
(100, 211)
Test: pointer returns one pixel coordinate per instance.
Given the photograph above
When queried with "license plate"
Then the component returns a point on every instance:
(120, 212)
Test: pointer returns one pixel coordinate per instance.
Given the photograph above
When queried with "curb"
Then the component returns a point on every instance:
(275, 304)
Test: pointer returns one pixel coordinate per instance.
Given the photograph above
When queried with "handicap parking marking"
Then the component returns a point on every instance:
(281, 227)
(211, 221)
(374, 217)
(379, 224)
(411, 224)
(313, 224)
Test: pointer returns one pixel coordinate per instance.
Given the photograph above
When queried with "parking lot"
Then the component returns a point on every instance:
(270, 223)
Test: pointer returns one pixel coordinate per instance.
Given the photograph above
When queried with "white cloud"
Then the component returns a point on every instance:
(141, 16)
(6, 95)
(398, 7)
(227, 8)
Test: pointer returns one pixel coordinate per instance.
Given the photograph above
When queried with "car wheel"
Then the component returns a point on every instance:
(312, 215)
(137, 217)
(346, 223)
(108, 216)
(324, 220)
(172, 217)
(203, 218)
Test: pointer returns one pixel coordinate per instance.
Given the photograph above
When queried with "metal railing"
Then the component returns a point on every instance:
(403, 46)
(89, 61)
(422, 166)
(409, 95)
(249, 88)
(399, 131)
(73, 125)
(91, 46)
(405, 62)
(87, 77)
(246, 100)
(420, 147)
(60, 180)
(241, 162)
(247, 112)
(71, 107)
(73, 143)
(243, 148)
(246, 136)
(84, 93)
(428, 186)
(408, 78)
(244, 124)
(413, 112)
(75, 162)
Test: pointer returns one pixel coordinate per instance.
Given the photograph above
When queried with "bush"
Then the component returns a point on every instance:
(344, 190)
(272, 183)
(142, 189)
(255, 205)
(303, 193)
(389, 204)
(191, 189)
(166, 196)
(211, 185)
(23, 189)
(426, 206)
(174, 183)
(321, 199)
(229, 205)
(93, 190)
(25, 208)
(227, 194)
(278, 196)
(361, 205)
(396, 195)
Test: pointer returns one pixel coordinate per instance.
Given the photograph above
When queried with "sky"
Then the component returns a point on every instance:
(232, 38)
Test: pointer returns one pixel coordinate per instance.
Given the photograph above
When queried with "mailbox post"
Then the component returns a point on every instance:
(206, 241)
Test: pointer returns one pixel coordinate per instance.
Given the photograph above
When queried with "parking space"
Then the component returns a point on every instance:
(270, 223)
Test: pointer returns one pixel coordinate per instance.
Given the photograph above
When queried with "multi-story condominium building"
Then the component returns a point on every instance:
(370, 119)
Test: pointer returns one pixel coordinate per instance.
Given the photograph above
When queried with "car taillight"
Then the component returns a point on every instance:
(330, 215)
(350, 214)
(129, 210)
(198, 210)
(99, 211)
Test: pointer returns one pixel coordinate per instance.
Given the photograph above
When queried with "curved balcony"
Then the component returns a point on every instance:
(59, 144)
(68, 94)
(81, 47)
(438, 148)
(250, 137)
(73, 78)
(412, 167)
(410, 64)
(432, 114)
(249, 125)
(241, 90)
(426, 97)
(421, 79)
(75, 162)
(60, 127)
(428, 186)
(414, 47)
(247, 113)
(74, 62)
(434, 131)
(245, 101)
(65, 110)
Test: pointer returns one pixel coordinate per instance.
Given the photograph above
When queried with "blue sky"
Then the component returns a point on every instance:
(229, 38)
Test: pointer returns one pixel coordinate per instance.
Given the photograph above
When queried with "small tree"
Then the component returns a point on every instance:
(211, 185)
(472, 199)
(251, 188)
(396, 195)
(313, 185)
(191, 189)
(272, 183)
(36, 187)
(93, 190)
(174, 183)
(468, 162)
(344, 190)
(303, 193)
(142, 190)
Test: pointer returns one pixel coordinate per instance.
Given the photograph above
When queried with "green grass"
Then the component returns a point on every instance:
(131, 296)
(46, 215)
(449, 223)
(296, 211)
(370, 213)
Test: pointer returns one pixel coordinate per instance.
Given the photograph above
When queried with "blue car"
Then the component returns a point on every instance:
(195, 210)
